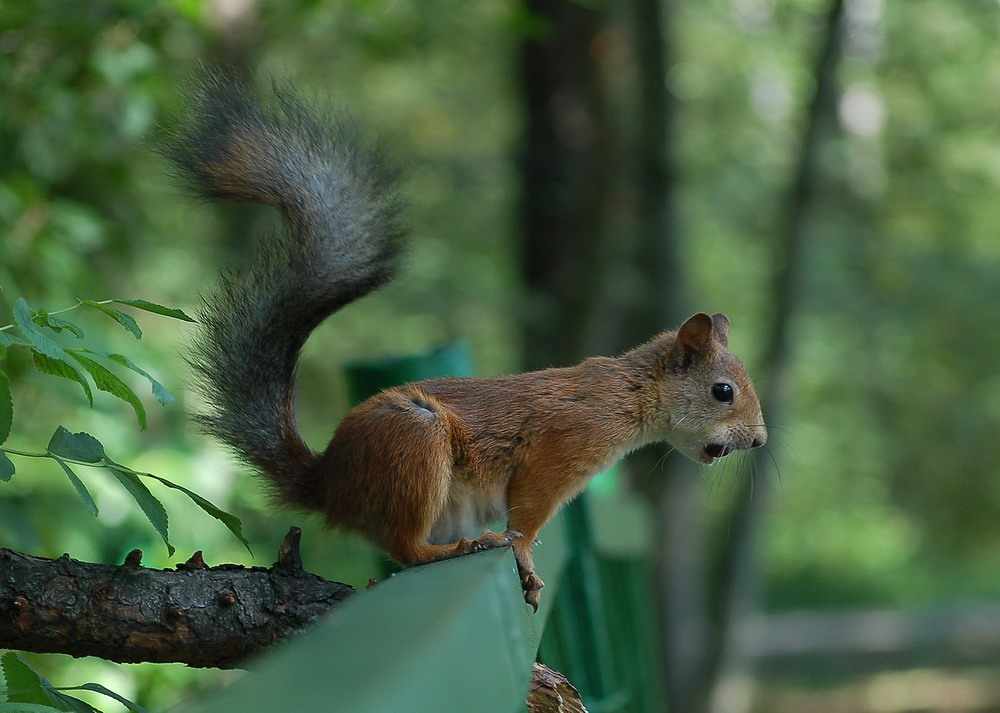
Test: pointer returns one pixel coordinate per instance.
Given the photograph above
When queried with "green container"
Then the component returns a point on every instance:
(369, 376)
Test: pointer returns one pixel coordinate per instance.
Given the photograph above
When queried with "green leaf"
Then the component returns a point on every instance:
(108, 382)
(19, 676)
(157, 309)
(30, 692)
(9, 340)
(75, 446)
(6, 467)
(6, 408)
(22, 316)
(72, 704)
(26, 708)
(160, 392)
(151, 507)
(125, 320)
(232, 522)
(81, 489)
(56, 324)
(56, 367)
(98, 688)
(45, 346)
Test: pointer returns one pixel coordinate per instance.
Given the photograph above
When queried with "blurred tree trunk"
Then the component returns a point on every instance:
(563, 178)
(236, 31)
(737, 588)
(578, 171)
(662, 303)
(599, 203)
(234, 43)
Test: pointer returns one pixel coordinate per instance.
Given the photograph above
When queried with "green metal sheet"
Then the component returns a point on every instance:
(369, 376)
(451, 636)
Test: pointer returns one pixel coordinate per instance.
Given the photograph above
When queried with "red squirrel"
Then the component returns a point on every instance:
(419, 469)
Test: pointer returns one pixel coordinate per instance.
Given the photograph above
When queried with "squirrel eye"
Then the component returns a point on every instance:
(723, 393)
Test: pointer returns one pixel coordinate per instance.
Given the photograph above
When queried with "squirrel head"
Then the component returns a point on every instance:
(708, 406)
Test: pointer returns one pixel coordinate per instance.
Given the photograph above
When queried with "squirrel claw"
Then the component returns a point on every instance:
(509, 536)
(532, 599)
(487, 541)
(532, 584)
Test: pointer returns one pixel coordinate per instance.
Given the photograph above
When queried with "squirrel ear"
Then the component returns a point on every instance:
(693, 338)
(720, 326)
(696, 332)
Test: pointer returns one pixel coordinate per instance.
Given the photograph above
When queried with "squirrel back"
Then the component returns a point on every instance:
(340, 240)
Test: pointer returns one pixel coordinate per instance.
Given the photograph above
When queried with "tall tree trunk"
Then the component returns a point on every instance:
(566, 176)
(737, 590)
(673, 484)
(563, 178)
(664, 293)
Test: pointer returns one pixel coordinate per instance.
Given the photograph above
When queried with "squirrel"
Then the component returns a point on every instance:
(420, 468)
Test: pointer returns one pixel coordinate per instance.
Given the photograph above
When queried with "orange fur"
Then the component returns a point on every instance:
(418, 467)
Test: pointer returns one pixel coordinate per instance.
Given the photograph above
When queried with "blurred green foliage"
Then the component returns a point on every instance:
(889, 490)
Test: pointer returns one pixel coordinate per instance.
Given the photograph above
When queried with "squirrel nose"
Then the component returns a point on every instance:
(757, 443)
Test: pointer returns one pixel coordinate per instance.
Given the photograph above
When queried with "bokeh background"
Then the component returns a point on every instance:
(581, 175)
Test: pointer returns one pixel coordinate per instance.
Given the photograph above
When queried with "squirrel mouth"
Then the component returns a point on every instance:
(716, 450)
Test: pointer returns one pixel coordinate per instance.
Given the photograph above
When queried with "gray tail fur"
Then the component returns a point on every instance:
(340, 240)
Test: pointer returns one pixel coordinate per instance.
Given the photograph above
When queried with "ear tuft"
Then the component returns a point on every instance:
(720, 327)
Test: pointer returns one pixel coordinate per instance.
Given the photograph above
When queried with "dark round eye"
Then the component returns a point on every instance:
(723, 393)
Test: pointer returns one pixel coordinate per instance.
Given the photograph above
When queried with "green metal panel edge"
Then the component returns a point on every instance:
(451, 636)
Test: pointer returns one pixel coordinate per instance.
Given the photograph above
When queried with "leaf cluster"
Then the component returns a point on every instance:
(27, 691)
(36, 330)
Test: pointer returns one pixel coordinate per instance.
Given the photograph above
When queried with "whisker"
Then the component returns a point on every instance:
(733, 484)
(729, 468)
(658, 465)
(713, 488)
(777, 470)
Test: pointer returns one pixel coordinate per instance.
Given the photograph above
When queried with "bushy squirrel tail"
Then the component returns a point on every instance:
(340, 240)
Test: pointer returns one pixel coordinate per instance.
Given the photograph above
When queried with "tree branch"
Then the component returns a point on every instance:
(198, 615)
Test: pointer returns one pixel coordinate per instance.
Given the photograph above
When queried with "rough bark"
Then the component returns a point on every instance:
(551, 692)
(198, 615)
